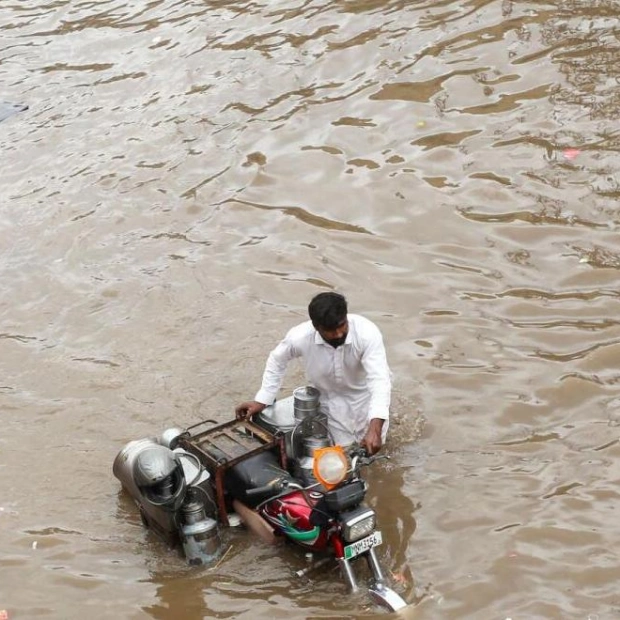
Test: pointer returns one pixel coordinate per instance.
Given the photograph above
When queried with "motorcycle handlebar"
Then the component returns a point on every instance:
(361, 458)
(276, 485)
(266, 488)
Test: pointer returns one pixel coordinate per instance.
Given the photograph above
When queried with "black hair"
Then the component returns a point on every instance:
(327, 310)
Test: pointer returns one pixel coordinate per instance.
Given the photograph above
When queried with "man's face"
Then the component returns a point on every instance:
(336, 336)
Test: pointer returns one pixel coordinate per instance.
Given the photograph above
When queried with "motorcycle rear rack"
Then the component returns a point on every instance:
(222, 446)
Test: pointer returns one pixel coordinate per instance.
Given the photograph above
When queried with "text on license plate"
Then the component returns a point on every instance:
(350, 551)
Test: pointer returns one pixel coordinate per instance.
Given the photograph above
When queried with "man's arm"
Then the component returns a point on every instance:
(378, 377)
(275, 368)
(372, 440)
(248, 410)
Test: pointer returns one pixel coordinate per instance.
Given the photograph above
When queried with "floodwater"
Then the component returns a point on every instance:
(189, 173)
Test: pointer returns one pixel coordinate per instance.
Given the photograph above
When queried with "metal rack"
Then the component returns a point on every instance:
(222, 446)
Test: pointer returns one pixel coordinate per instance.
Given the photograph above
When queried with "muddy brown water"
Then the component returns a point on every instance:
(189, 173)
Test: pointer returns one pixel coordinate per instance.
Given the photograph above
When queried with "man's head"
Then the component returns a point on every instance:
(328, 313)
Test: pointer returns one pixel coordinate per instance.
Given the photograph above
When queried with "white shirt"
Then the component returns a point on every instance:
(353, 379)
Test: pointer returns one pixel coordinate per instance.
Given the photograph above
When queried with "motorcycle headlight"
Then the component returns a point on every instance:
(358, 523)
(330, 466)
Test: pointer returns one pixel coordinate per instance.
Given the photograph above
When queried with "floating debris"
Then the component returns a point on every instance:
(571, 153)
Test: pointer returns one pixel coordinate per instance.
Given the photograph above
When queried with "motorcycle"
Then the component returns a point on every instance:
(282, 470)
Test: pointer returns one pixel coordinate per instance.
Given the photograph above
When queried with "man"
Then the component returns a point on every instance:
(345, 359)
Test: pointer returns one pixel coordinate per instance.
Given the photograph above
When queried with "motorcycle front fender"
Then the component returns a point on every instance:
(378, 591)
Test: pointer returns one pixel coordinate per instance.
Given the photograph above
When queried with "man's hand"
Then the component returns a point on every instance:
(246, 411)
(372, 441)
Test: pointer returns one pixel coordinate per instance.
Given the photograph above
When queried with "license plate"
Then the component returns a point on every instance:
(350, 551)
